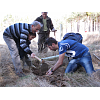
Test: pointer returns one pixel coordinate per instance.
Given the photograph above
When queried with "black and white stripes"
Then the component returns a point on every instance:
(20, 31)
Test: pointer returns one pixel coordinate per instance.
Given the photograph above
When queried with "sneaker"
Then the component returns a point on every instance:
(20, 74)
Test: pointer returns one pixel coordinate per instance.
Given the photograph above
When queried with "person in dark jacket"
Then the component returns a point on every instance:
(18, 37)
(44, 32)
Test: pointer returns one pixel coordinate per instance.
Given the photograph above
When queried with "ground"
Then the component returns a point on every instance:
(58, 79)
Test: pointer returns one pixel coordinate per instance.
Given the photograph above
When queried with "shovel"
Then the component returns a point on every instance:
(41, 60)
(43, 67)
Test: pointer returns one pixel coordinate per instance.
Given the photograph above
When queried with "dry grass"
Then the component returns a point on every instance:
(76, 79)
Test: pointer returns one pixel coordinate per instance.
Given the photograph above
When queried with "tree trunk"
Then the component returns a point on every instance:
(99, 24)
(78, 24)
(84, 26)
(93, 25)
(89, 24)
(96, 24)
(66, 27)
(91, 29)
(71, 26)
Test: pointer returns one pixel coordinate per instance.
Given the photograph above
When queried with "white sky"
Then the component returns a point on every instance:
(56, 8)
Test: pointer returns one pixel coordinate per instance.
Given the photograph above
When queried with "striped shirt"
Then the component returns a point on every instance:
(19, 32)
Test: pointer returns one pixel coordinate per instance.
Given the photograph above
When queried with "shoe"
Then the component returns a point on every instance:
(20, 74)
(26, 70)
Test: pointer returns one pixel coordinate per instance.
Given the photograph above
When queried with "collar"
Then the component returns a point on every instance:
(58, 44)
(30, 27)
(46, 18)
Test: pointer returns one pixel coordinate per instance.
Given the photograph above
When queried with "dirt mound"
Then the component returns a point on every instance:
(41, 68)
(59, 79)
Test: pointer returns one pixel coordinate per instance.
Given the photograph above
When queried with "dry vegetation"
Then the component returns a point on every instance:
(59, 79)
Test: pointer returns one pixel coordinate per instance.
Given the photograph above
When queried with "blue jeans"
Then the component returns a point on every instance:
(84, 61)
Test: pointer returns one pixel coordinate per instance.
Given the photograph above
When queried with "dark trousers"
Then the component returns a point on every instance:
(22, 53)
(41, 42)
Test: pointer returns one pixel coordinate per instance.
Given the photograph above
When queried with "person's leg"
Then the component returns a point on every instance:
(72, 66)
(14, 54)
(45, 48)
(29, 62)
(40, 42)
(86, 62)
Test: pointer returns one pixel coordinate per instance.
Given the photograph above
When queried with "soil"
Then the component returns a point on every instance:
(37, 78)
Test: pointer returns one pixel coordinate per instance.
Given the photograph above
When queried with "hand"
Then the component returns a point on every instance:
(32, 55)
(53, 30)
(49, 72)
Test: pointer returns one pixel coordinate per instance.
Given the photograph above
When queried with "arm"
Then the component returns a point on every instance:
(24, 43)
(57, 65)
(51, 25)
(52, 28)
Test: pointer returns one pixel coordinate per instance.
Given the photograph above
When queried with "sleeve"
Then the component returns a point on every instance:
(62, 49)
(23, 42)
(51, 24)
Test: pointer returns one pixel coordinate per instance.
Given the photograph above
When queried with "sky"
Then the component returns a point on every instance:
(56, 8)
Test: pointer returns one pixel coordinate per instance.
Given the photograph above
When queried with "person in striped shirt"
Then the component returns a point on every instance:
(18, 37)
(78, 51)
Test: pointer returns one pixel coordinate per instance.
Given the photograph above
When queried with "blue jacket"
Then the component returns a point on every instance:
(19, 32)
(72, 48)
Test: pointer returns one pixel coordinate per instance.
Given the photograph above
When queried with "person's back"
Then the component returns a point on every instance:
(72, 48)
(17, 38)
(19, 33)
(78, 51)
(16, 29)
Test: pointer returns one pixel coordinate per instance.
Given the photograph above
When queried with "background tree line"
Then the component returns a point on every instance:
(85, 21)
(75, 22)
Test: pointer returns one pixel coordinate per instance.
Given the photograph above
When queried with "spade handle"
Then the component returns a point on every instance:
(38, 58)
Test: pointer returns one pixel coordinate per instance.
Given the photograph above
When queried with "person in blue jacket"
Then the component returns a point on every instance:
(78, 51)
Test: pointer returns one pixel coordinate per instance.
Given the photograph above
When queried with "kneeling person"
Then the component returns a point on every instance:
(80, 53)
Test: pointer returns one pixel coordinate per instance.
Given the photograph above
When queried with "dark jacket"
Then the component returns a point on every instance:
(19, 32)
(49, 24)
